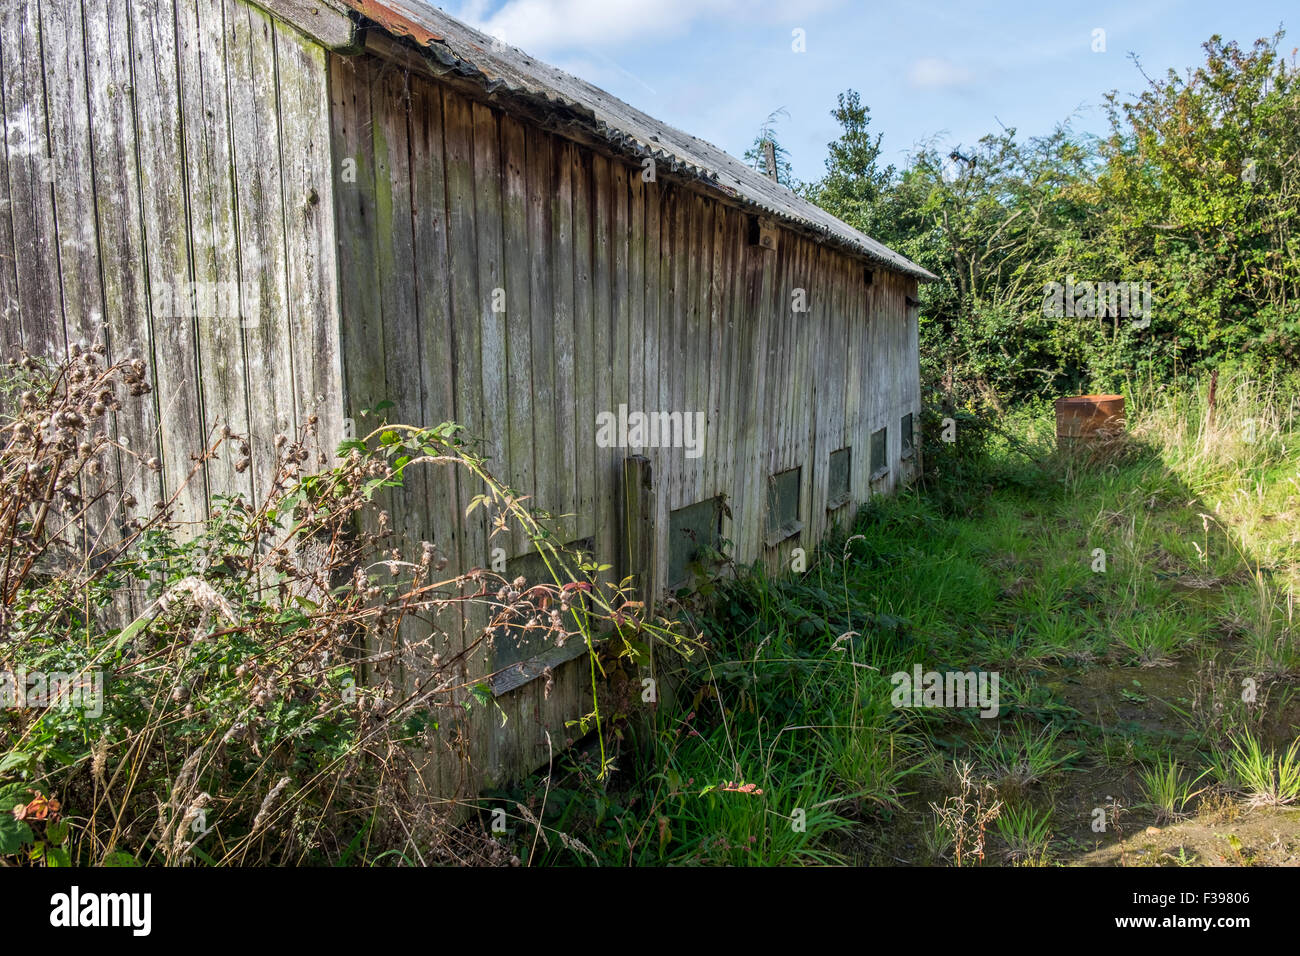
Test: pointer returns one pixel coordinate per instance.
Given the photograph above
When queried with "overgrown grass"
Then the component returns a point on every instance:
(1136, 606)
(276, 682)
(1130, 602)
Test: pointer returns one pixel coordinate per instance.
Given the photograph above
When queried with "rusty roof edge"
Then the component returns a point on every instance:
(394, 22)
(436, 45)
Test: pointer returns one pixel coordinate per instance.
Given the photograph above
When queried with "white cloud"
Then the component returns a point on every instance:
(541, 26)
(934, 73)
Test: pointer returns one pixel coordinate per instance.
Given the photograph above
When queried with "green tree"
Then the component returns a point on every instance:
(855, 181)
(1201, 188)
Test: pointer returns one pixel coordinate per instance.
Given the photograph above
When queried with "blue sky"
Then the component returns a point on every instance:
(717, 68)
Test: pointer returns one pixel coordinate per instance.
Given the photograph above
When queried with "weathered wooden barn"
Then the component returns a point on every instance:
(310, 207)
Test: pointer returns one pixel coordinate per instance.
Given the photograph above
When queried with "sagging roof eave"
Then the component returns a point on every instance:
(433, 47)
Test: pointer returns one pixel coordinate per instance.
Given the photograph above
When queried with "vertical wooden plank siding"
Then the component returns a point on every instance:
(307, 182)
(123, 220)
(560, 254)
(115, 188)
(539, 172)
(487, 197)
(11, 336)
(603, 458)
(38, 311)
(585, 358)
(163, 175)
(215, 239)
(519, 333)
(70, 168)
(623, 291)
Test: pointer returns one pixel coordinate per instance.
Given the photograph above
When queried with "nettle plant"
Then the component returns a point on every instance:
(268, 681)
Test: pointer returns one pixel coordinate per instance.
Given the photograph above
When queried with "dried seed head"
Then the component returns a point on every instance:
(99, 760)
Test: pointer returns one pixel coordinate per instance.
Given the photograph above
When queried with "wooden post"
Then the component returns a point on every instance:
(1214, 395)
(640, 559)
(640, 563)
(769, 158)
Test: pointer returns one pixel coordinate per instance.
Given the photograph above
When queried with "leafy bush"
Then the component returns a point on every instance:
(266, 687)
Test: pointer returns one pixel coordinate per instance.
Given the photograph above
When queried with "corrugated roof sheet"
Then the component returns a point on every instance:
(471, 53)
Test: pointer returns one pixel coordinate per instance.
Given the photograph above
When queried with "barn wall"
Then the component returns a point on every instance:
(615, 290)
(152, 148)
(363, 217)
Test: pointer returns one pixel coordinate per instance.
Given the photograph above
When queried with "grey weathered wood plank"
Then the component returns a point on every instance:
(620, 293)
(70, 166)
(466, 302)
(602, 345)
(462, 239)
(636, 236)
(492, 292)
(519, 333)
(263, 270)
(561, 256)
(585, 359)
(429, 226)
(763, 292)
(119, 233)
(70, 170)
(224, 384)
(312, 301)
(731, 291)
(39, 312)
(493, 383)
(716, 280)
(540, 179)
(155, 86)
(11, 333)
(693, 339)
(397, 293)
(669, 460)
(650, 348)
(362, 332)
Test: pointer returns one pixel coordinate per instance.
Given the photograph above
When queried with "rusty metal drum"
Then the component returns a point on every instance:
(1084, 420)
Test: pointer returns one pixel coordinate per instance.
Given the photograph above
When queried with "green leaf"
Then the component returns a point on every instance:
(16, 760)
(14, 794)
(482, 693)
(120, 858)
(57, 856)
(57, 833)
(13, 833)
